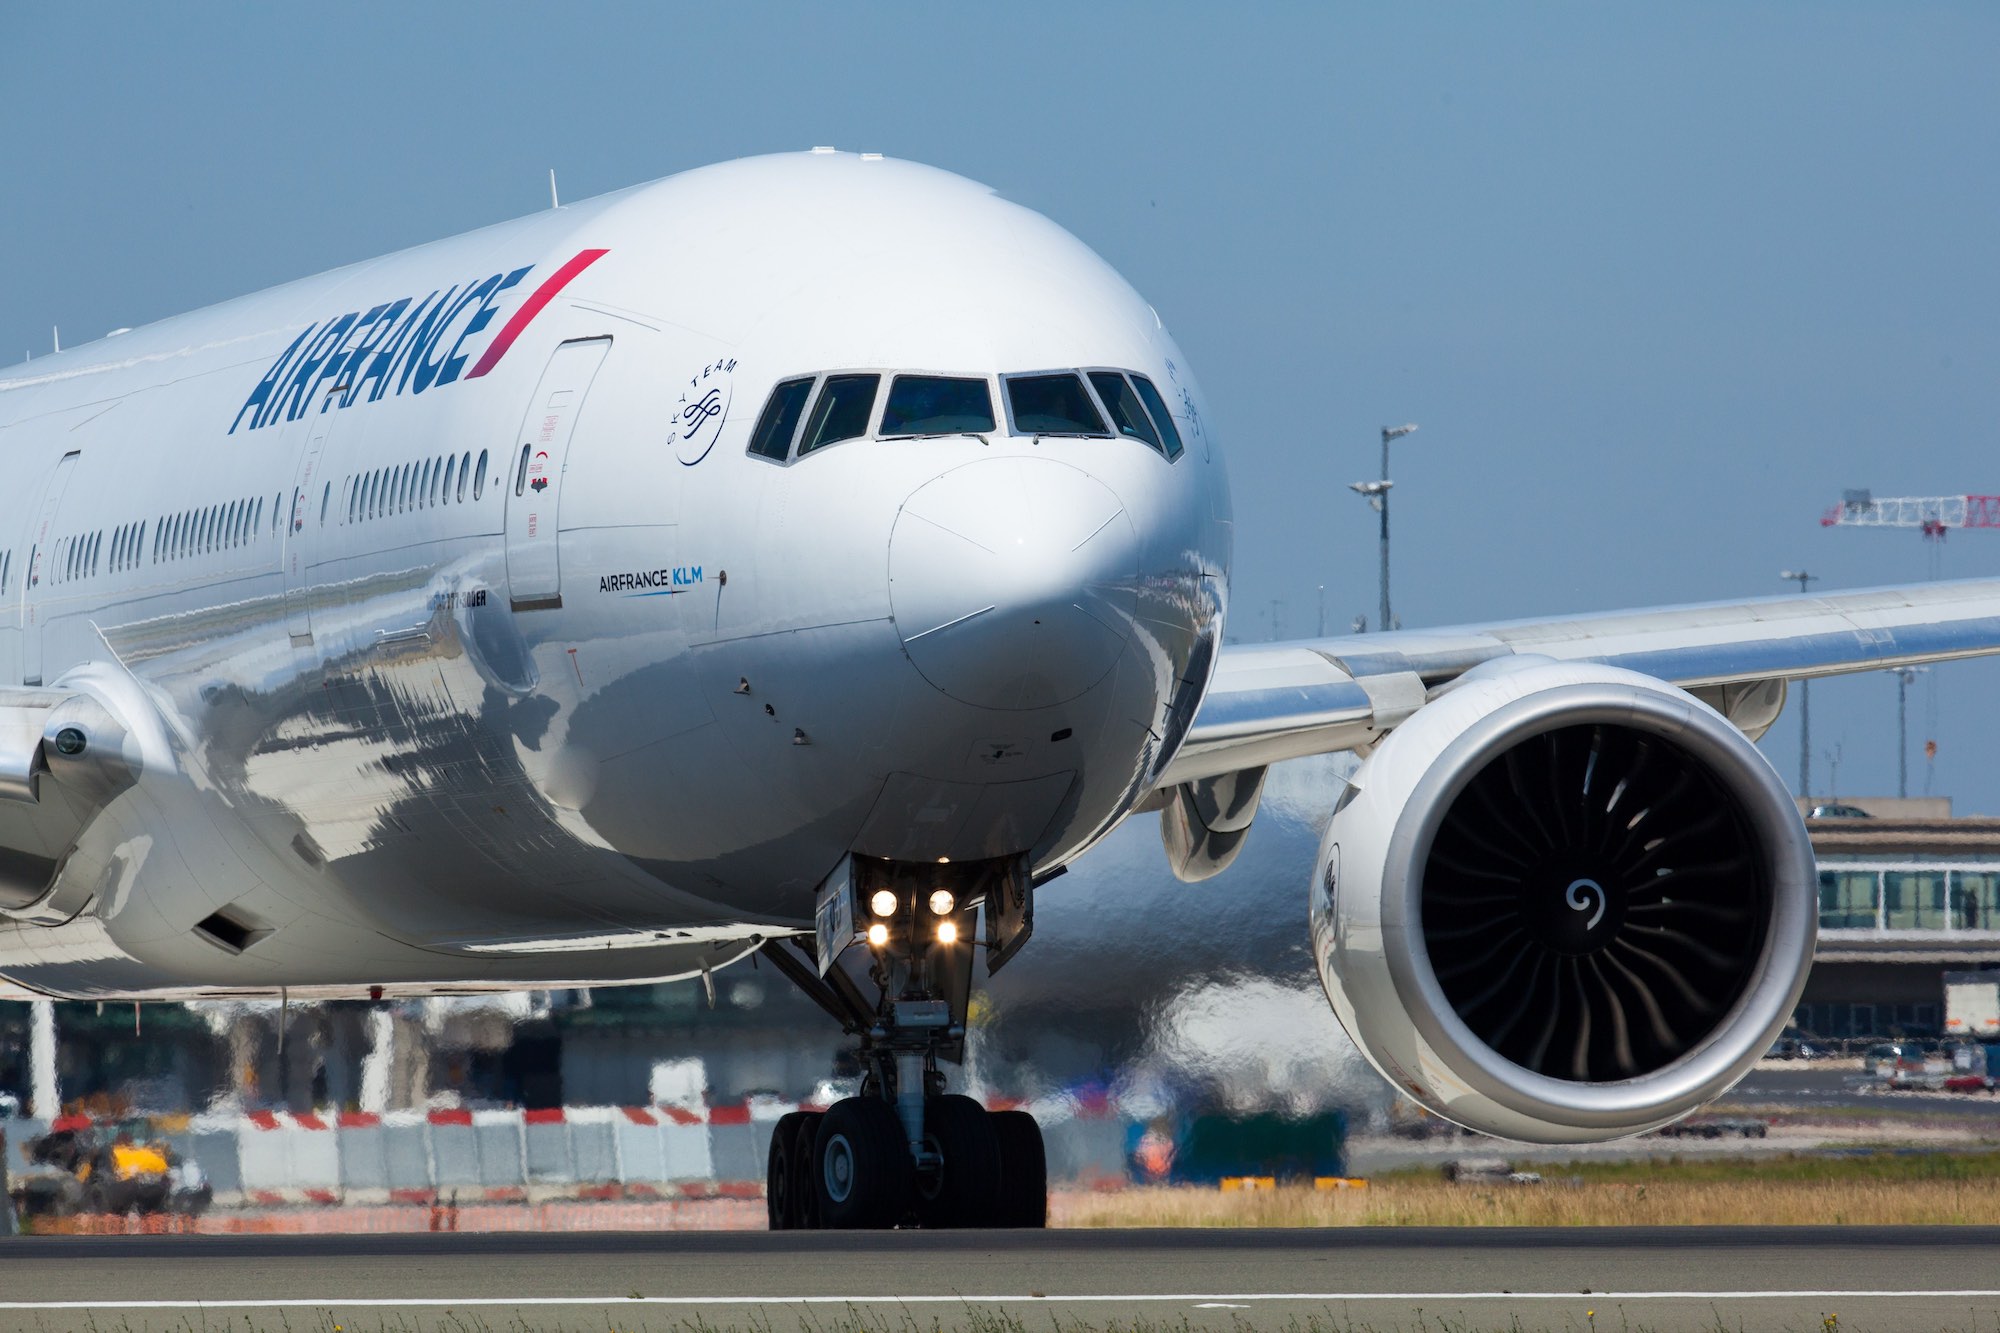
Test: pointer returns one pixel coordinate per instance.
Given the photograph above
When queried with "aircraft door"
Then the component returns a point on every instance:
(534, 474)
(308, 513)
(35, 583)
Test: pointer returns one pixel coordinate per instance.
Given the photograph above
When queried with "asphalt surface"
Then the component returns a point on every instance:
(1808, 1087)
(1558, 1279)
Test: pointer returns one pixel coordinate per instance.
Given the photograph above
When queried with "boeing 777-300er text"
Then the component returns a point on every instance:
(811, 556)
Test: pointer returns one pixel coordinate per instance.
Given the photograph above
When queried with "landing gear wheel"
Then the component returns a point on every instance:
(805, 1171)
(1024, 1171)
(965, 1189)
(864, 1176)
(781, 1174)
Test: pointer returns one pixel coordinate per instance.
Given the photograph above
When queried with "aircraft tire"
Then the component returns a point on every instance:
(805, 1171)
(781, 1173)
(965, 1191)
(1024, 1171)
(865, 1175)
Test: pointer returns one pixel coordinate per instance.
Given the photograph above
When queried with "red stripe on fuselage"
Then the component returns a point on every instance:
(532, 307)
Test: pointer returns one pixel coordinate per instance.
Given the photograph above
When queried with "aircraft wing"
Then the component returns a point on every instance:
(1273, 701)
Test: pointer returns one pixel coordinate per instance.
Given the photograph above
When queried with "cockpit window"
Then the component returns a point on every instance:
(936, 405)
(1052, 405)
(1162, 418)
(845, 402)
(1126, 411)
(773, 436)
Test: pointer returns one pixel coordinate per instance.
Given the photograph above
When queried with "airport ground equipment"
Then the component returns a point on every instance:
(1972, 1005)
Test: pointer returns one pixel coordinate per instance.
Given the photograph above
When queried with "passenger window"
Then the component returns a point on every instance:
(138, 544)
(1052, 405)
(450, 465)
(780, 421)
(1127, 413)
(277, 508)
(325, 499)
(464, 470)
(521, 472)
(1162, 418)
(479, 477)
(936, 405)
(845, 402)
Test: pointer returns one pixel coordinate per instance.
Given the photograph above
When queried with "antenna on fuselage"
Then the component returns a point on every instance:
(55, 332)
(553, 201)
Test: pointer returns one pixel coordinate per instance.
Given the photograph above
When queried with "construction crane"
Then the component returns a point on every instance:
(1933, 515)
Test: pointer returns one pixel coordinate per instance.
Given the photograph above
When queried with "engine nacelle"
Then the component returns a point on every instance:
(1564, 903)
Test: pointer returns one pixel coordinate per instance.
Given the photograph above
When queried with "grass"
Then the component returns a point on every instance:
(1877, 1188)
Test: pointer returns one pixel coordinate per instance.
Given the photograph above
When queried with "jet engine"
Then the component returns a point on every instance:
(1563, 903)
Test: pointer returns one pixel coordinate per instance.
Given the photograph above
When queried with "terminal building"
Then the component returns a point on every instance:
(1906, 894)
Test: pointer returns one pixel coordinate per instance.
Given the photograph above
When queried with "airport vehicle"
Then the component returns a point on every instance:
(123, 1167)
(810, 557)
(1972, 1005)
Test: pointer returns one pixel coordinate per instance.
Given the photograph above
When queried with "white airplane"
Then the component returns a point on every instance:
(798, 556)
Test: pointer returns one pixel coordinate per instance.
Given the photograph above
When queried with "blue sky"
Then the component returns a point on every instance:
(1656, 282)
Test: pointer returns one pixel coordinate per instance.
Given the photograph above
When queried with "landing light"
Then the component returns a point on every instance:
(883, 903)
(947, 932)
(942, 902)
(878, 934)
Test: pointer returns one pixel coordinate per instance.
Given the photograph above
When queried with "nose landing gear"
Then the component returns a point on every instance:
(903, 1151)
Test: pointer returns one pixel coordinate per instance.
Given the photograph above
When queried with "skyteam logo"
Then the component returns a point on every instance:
(409, 345)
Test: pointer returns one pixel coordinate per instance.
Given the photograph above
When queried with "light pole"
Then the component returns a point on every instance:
(1377, 495)
(1802, 578)
(1904, 675)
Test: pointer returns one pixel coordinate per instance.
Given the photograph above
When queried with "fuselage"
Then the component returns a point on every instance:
(490, 643)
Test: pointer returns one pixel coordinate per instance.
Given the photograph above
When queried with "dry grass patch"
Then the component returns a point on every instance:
(1877, 1189)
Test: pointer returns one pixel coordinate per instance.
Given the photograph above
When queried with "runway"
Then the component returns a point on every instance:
(1558, 1279)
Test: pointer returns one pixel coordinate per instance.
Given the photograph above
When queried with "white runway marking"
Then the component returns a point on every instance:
(1160, 1298)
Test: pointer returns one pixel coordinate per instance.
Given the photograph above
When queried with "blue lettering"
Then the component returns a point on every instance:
(382, 368)
(454, 364)
(291, 403)
(338, 359)
(262, 393)
(353, 372)
(425, 337)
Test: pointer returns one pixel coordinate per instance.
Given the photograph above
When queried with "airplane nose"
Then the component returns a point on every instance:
(1014, 581)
